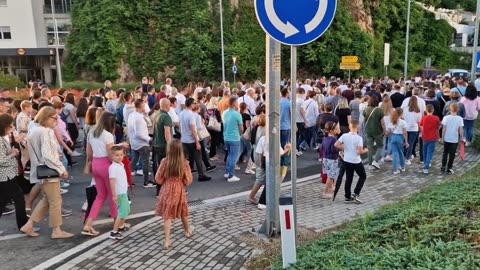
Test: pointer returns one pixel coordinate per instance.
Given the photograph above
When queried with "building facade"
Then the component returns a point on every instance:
(27, 37)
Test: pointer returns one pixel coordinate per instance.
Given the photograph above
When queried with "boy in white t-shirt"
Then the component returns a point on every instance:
(352, 145)
(452, 134)
(119, 187)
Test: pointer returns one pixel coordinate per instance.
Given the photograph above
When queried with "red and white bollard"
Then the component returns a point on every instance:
(287, 224)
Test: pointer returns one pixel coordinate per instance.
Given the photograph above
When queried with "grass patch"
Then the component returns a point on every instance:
(438, 228)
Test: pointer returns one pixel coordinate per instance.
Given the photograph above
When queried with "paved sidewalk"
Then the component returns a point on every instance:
(216, 244)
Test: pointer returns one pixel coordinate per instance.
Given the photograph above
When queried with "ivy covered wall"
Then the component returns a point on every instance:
(128, 39)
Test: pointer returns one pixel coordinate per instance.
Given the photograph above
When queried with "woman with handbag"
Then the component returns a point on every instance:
(203, 135)
(245, 139)
(9, 174)
(99, 142)
(46, 169)
(214, 126)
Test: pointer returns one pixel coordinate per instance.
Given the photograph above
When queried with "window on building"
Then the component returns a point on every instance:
(59, 6)
(5, 32)
(3, 3)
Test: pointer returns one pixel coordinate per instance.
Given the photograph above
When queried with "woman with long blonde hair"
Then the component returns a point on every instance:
(387, 108)
(174, 175)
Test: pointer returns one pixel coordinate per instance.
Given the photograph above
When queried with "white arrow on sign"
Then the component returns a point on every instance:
(317, 19)
(287, 28)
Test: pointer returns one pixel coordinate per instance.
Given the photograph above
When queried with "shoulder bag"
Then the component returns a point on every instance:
(43, 171)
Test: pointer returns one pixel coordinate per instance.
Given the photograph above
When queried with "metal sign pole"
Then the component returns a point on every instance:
(273, 136)
(293, 127)
(475, 44)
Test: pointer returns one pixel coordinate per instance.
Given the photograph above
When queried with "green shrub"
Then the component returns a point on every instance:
(9, 82)
(438, 228)
(81, 85)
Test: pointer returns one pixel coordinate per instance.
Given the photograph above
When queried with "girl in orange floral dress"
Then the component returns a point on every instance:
(173, 175)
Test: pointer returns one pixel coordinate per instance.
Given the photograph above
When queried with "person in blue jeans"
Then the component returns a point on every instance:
(397, 129)
(429, 124)
(285, 116)
(412, 116)
(232, 131)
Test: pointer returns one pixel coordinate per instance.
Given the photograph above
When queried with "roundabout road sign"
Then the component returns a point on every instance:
(295, 22)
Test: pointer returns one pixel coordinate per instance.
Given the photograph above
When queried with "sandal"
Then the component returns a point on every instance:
(252, 201)
(189, 233)
(90, 232)
(125, 227)
(166, 245)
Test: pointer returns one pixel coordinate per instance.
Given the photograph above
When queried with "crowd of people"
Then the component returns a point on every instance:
(167, 134)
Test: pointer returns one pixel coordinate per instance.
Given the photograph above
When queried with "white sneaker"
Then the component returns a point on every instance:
(249, 172)
(237, 168)
(76, 154)
(315, 148)
(425, 171)
(139, 172)
(388, 158)
(85, 206)
(408, 162)
(233, 179)
(261, 206)
(370, 167)
(225, 175)
(299, 153)
(467, 144)
(376, 165)
(63, 191)
(403, 169)
(396, 172)
(254, 167)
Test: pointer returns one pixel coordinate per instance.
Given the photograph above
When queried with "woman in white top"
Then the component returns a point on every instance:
(128, 108)
(311, 115)
(412, 116)
(100, 141)
(387, 108)
(397, 130)
(43, 149)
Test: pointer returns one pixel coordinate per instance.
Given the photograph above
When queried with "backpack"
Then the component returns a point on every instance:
(64, 116)
(253, 134)
(119, 115)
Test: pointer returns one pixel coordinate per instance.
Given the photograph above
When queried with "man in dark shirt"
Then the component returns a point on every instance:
(327, 116)
(162, 125)
(374, 93)
(145, 85)
(397, 97)
(348, 93)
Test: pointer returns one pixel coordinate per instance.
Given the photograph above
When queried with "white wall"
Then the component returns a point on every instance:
(18, 14)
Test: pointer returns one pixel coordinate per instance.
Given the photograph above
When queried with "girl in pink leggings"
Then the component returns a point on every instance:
(99, 141)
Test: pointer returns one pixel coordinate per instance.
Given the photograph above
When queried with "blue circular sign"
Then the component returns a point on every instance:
(234, 69)
(296, 22)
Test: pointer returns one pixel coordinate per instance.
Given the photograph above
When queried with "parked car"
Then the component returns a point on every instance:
(428, 72)
(458, 73)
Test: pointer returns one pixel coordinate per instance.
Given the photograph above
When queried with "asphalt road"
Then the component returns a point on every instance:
(25, 253)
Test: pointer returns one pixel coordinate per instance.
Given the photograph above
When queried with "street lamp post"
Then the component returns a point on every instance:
(405, 70)
(221, 37)
(57, 44)
(234, 68)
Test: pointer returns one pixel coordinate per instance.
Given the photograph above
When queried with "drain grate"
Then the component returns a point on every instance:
(195, 203)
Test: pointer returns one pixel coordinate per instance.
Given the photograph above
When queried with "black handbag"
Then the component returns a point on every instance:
(45, 172)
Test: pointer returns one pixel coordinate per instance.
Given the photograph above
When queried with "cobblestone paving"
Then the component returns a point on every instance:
(216, 244)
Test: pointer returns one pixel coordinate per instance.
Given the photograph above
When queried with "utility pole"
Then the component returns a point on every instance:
(57, 44)
(405, 70)
(273, 56)
(475, 44)
(221, 37)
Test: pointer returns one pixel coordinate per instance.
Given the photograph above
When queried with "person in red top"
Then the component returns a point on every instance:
(162, 93)
(429, 125)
